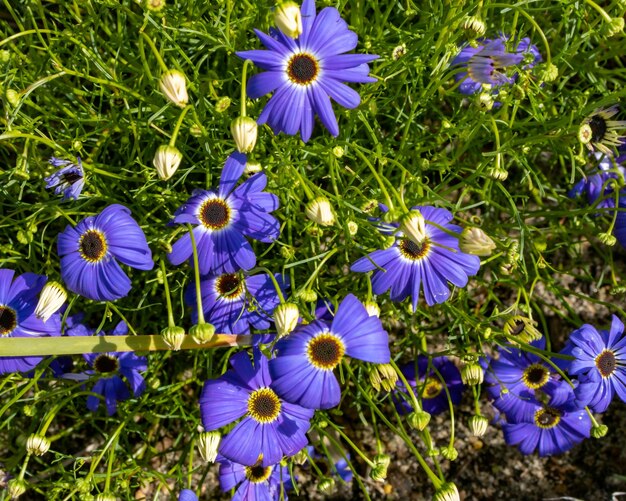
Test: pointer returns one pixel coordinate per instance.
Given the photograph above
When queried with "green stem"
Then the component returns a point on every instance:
(179, 122)
(409, 388)
(170, 314)
(196, 273)
(120, 314)
(244, 73)
(279, 291)
(155, 51)
(600, 10)
(350, 443)
(378, 179)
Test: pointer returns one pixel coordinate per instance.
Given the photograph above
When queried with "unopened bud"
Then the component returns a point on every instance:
(300, 457)
(244, 131)
(450, 453)
(379, 473)
(585, 134)
(286, 318)
(373, 310)
(613, 27)
(418, 420)
(173, 337)
(13, 97)
(414, 226)
(607, 239)
(478, 425)
(16, 488)
(202, 333)
(222, 104)
(472, 374)
(599, 431)
(166, 161)
(474, 27)
(173, 85)
(326, 484)
(497, 173)
(106, 496)
(383, 375)
(252, 168)
(37, 445)
(51, 298)
(155, 5)
(319, 211)
(308, 295)
(485, 101)
(398, 51)
(288, 19)
(338, 151)
(447, 492)
(208, 442)
(476, 241)
(353, 228)
(382, 459)
(549, 73)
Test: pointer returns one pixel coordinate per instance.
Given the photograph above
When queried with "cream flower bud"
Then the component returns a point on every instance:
(288, 19)
(166, 161)
(173, 337)
(472, 374)
(414, 226)
(51, 298)
(37, 445)
(208, 442)
(476, 241)
(244, 131)
(106, 496)
(383, 376)
(16, 487)
(174, 86)
(319, 211)
(202, 333)
(478, 425)
(418, 420)
(373, 310)
(252, 168)
(447, 492)
(286, 318)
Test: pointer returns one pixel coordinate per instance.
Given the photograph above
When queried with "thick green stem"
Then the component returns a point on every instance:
(244, 73)
(170, 314)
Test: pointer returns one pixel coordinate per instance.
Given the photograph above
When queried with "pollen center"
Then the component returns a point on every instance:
(214, 214)
(105, 364)
(535, 376)
(229, 286)
(8, 320)
(302, 69)
(432, 388)
(258, 474)
(606, 363)
(325, 351)
(598, 128)
(413, 251)
(93, 246)
(264, 406)
(547, 418)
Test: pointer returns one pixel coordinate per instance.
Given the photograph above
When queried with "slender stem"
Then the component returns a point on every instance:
(196, 273)
(121, 315)
(350, 443)
(279, 291)
(170, 314)
(179, 122)
(409, 388)
(244, 73)
(378, 179)
(599, 9)
(155, 51)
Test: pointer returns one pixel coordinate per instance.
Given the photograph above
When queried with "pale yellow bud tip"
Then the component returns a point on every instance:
(174, 86)
(288, 19)
(166, 161)
(52, 297)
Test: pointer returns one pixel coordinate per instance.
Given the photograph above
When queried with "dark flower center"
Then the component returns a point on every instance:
(413, 251)
(229, 286)
(263, 405)
(606, 363)
(105, 364)
(8, 320)
(598, 128)
(535, 376)
(257, 474)
(432, 388)
(215, 214)
(302, 69)
(547, 418)
(325, 351)
(71, 177)
(518, 327)
(93, 246)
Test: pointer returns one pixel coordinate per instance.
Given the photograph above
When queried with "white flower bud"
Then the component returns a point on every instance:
(373, 310)
(51, 298)
(288, 19)
(208, 443)
(252, 168)
(37, 445)
(478, 425)
(244, 131)
(166, 161)
(174, 86)
(414, 226)
(476, 241)
(472, 374)
(447, 492)
(173, 337)
(319, 211)
(286, 318)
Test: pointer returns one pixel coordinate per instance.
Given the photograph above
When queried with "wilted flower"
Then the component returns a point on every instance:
(69, 180)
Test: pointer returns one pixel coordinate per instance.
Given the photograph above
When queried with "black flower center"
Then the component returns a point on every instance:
(598, 128)
(535, 376)
(229, 286)
(105, 364)
(264, 405)
(302, 69)
(606, 363)
(547, 418)
(413, 251)
(325, 351)
(71, 177)
(8, 320)
(518, 327)
(214, 214)
(93, 246)
(257, 474)
(432, 388)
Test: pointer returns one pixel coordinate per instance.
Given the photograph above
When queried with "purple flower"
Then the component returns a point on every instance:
(18, 300)
(408, 267)
(234, 302)
(69, 180)
(596, 185)
(187, 495)
(600, 364)
(89, 253)
(270, 429)
(483, 64)
(312, 352)
(306, 72)
(223, 219)
(111, 367)
(428, 386)
(254, 482)
(529, 52)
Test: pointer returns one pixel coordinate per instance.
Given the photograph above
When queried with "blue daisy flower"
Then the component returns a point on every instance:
(517, 379)
(271, 427)
(312, 352)
(254, 482)
(69, 180)
(89, 253)
(550, 429)
(224, 218)
(111, 367)
(307, 72)
(234, 302)
(18, 300)
(408, 267)
(600, 364)
(428, 386)
(187, 495)
(596, 186)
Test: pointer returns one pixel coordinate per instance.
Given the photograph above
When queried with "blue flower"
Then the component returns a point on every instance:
(111, 366)
(187, 495)
(254, 482)
(18, 300)
(600, 364)
(529, 52)
(408, 267)
(483, 65)
(312, 352)
(271, 427)
(224, 218)
(234, 302)
(89, 252)
(306, 72)
(596, 185)
(428, 385)
(69, 180)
